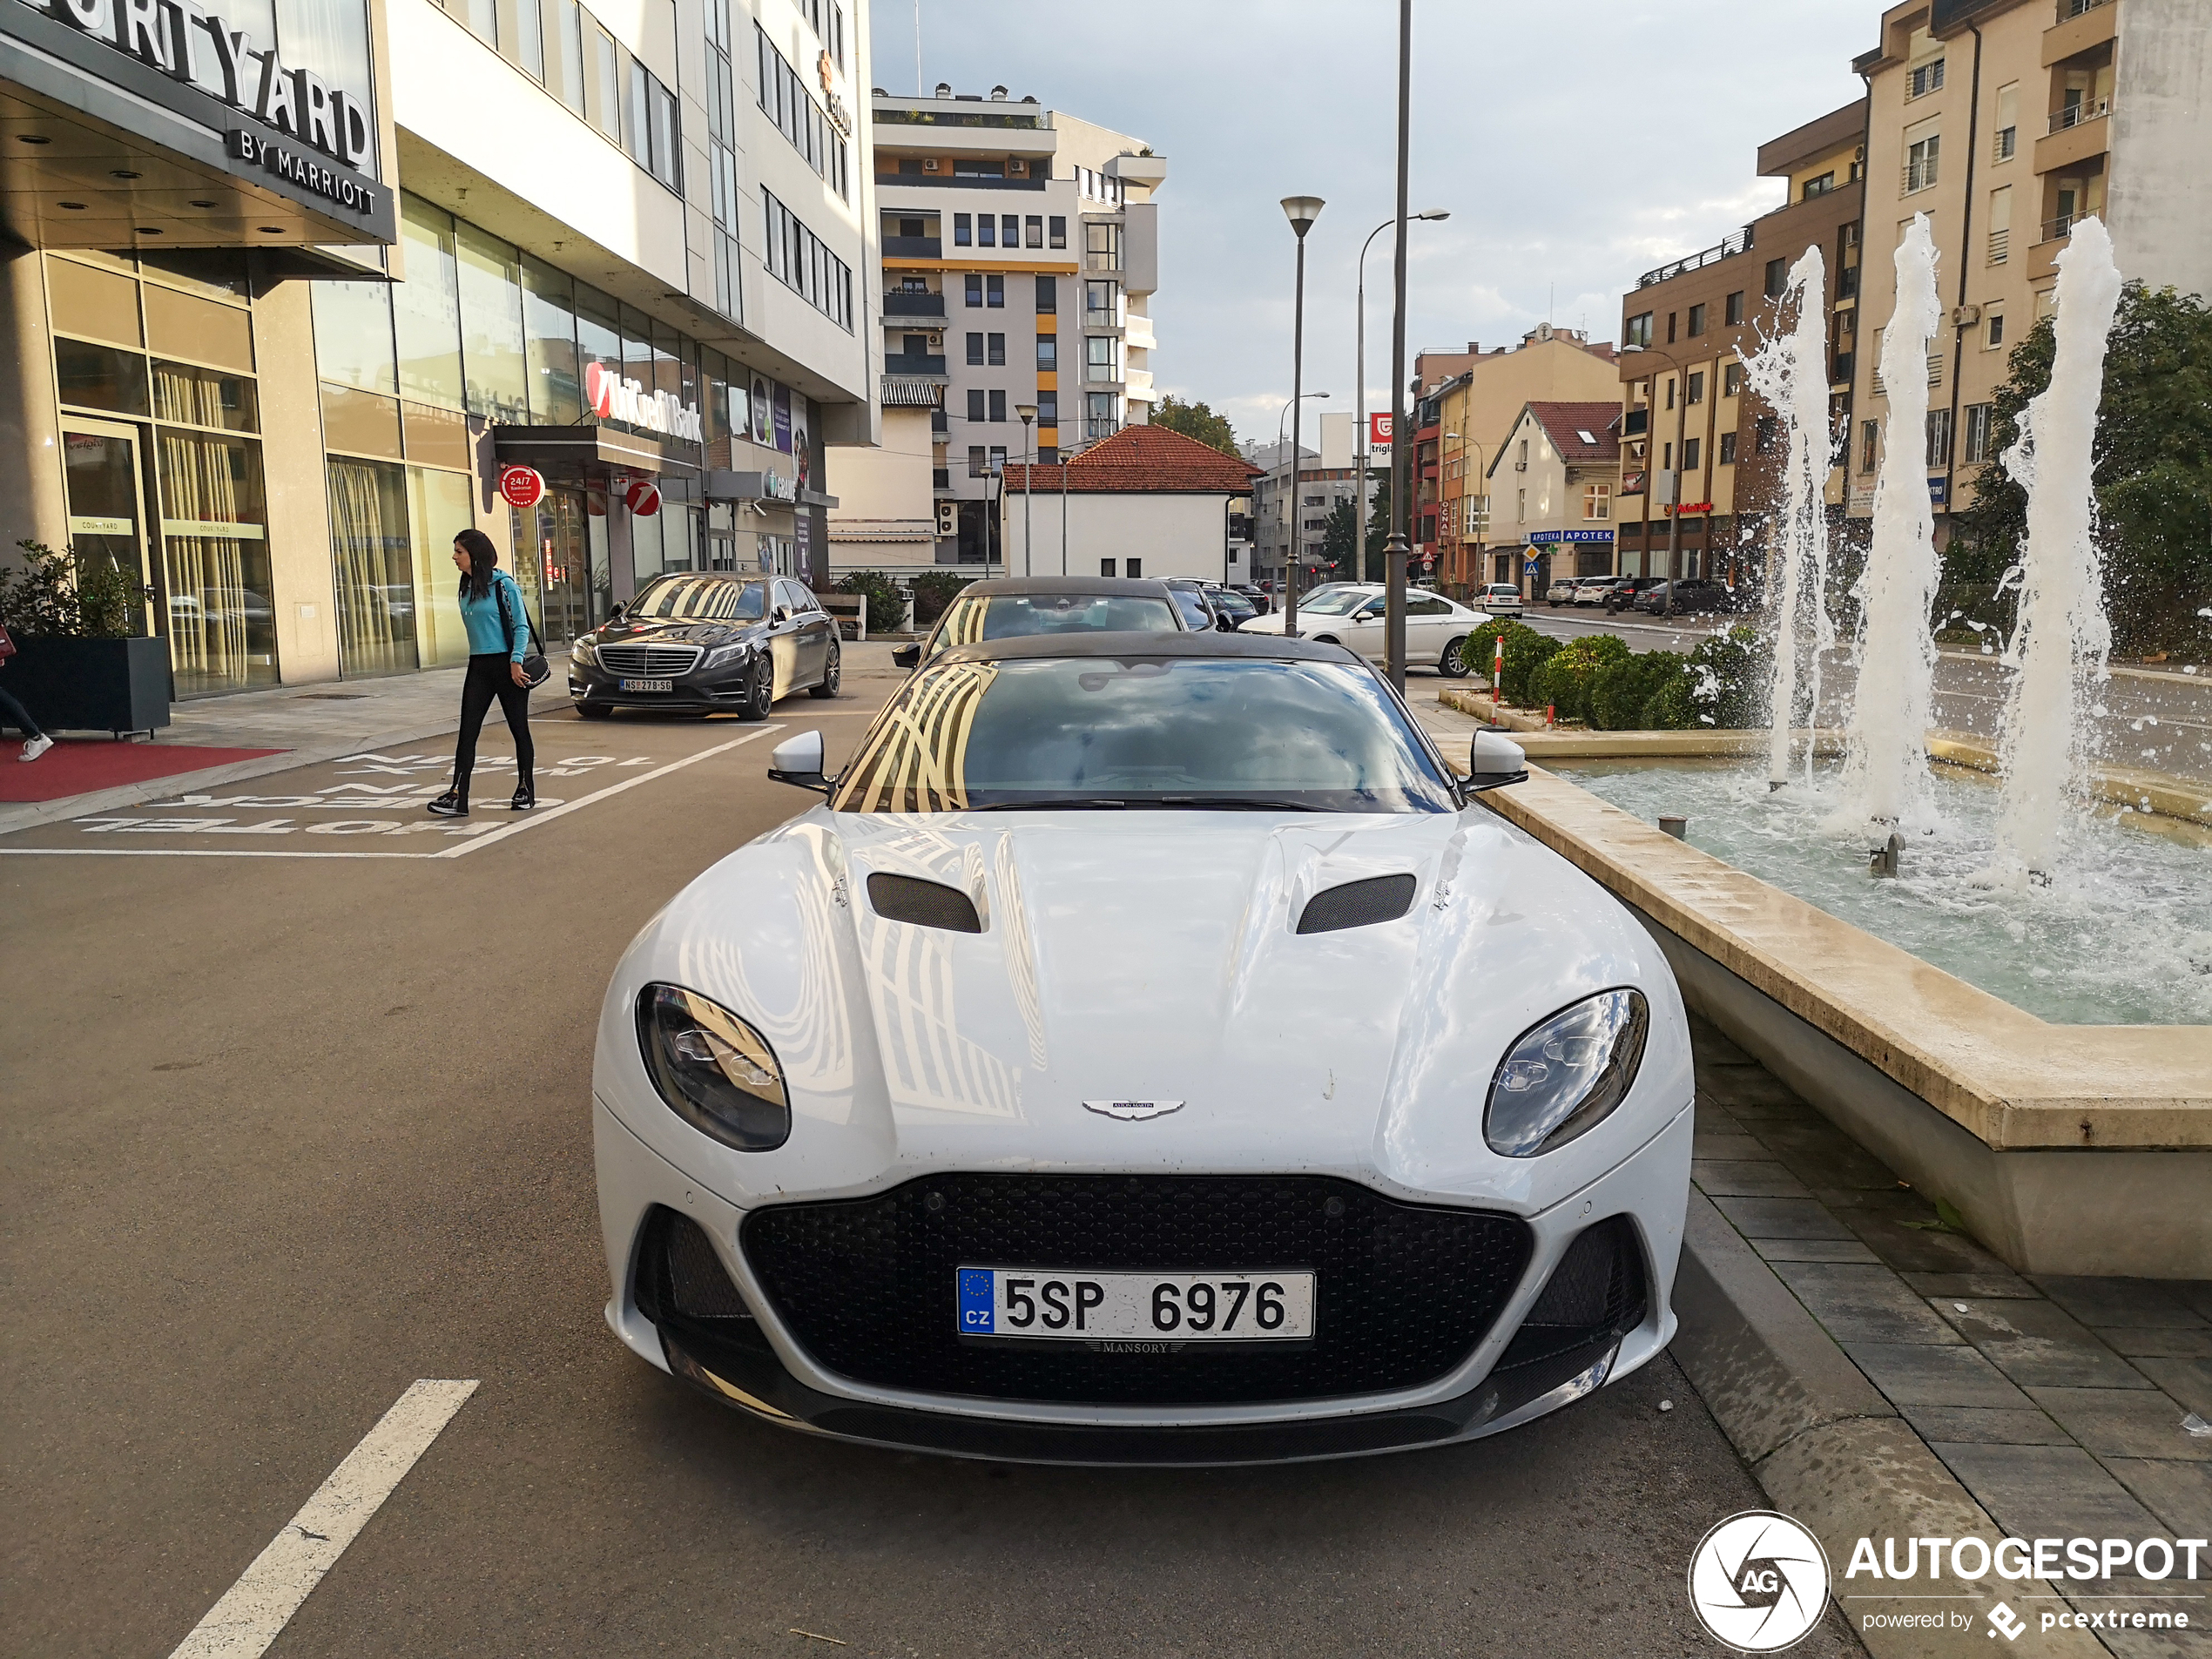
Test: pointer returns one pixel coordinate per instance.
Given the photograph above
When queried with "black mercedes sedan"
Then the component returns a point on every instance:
(707, 642)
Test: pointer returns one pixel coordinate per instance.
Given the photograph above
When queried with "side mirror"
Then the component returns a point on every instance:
(783, 613)
(1223, 624)
(799, 761)
(907, 656)
(1494, 760)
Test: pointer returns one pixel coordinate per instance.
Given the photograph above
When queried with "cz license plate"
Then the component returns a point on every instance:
(646, 685)
(1269, 1306)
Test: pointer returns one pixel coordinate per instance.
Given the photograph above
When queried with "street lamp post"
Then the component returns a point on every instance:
(1359, 376)
(1029, 414)
(1400, 450)
(1301, 211)
(1284, 508)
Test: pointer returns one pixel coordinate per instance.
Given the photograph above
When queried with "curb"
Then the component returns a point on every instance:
(29, 815)
(1827, 1448)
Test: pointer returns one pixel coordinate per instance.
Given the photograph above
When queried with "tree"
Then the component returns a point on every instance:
(1337, 549)
(1196, 421)
(1378, 524)
(2152, 472)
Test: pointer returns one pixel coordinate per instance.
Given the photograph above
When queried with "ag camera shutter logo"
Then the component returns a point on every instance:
(1759, 1582)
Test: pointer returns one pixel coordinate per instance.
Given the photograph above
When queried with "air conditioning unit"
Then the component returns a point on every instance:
(1521, 466)
(947, 518)
(929, 164)
(936, 342)
(1965, 316)
(1016, 167)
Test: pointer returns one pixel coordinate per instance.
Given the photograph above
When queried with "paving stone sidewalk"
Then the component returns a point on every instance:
(2057, 1402)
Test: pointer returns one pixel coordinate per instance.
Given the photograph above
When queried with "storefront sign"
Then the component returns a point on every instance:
(296, 168)
(1378, 431)
(1570, 535)
(782, 419)
(839, 117)
(1688, 507)
(191, 41)
(611, 397)
(643, 498)
(521, 486)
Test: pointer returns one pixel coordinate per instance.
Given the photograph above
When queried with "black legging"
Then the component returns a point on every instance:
(14, 713)
(491, 675)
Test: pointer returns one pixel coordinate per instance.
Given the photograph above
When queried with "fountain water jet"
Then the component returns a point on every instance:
(1885, 767)
(2062, 639)
(1790, 374)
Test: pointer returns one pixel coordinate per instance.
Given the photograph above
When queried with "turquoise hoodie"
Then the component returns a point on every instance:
(489, 634)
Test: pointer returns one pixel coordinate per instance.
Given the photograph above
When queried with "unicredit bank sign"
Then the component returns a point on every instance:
(613, 398)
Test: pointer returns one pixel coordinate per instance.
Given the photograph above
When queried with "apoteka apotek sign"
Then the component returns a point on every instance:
(1758, 1581)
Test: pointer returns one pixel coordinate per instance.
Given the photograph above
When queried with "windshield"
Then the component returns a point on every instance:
(1204, 732)
(1335, 602)
(1013, 616)
(701, 598)
(1195, 616)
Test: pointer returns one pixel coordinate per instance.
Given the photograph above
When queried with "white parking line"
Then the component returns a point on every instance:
(256, 1609)
(522, 821)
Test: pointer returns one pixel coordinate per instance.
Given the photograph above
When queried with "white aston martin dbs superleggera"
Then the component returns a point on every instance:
(1151, 1052)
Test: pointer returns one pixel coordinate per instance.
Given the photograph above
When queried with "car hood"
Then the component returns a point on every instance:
(671, 630)
(1144, 956)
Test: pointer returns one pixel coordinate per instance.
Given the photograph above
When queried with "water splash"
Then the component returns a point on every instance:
(1886, 767)
(1789, 373)
(2060, 645)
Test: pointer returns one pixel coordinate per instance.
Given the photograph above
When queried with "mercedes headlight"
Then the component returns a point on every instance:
(1565, 1078)
(582, 650)
(723, 653)
(716, 1072)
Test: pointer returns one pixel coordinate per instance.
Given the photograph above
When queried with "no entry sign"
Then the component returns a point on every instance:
(643, 497)
(521, 486)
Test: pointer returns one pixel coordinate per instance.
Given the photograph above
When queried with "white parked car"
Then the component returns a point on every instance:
(1148, 1052)
(1350, 613)
(1499, 599)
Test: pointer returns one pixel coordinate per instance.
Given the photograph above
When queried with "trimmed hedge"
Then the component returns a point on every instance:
(933, 591)
(886, 599)
(1625, 696)
(1526, 651)
(1563, 682)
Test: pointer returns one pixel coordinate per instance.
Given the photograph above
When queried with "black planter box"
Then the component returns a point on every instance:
(115, 686)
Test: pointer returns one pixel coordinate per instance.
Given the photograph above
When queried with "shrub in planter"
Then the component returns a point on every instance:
(1729, 674)
(77, 665)
(886, 600)
(933, 591)
(1563, 682)
(1525, 649)
(1624, 693)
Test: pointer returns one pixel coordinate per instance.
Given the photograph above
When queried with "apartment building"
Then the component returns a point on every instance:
(2007, 122)
(1701, 457)
(1020, 251)
(1552, 483)
(1283, 516)
(1469, 403)
(268, 352)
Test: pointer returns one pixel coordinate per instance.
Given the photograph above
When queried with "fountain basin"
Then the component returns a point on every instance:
(2067, 1148)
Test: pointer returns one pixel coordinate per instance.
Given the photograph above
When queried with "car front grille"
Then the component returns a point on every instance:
(650, 662)
(1403, 1291)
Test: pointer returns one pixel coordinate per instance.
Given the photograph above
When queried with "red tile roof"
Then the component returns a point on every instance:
(1142, 459)
(1566, 422)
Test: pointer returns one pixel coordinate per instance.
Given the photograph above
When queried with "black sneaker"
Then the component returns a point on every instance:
(452, 804)
(525, 798)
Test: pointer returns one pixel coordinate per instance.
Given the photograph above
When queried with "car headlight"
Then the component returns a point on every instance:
(1565, 1078)
(582, 650)
(723, 653)
(716, 1072)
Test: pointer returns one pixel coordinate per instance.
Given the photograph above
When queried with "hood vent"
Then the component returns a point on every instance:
(1358, 904)
(930, 904)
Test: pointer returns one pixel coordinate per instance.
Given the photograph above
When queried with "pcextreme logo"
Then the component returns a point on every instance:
(1758, 1581)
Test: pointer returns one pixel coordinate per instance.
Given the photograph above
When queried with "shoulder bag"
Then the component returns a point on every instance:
(535, 669)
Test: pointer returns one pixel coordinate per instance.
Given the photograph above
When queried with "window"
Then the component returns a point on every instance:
(2000, 225)
(1731, 380)
(998, 407)
(2005, 144)
(1870, 444)
(1597, 501)
(1048, 352)
(1728, 449)
(1695, 391)
(987, 230)
(1980, 428)
(994, 292)
(1734, 312)
(1921, 156)
(569, 26)
(975, 291)
(784, 100)
(798, 258)
(1105, 567)
(605, 84)
(722, 82)
(1057, 230)
(1671, 392)
(1520, 506)
(964, 236)
(1032, 231)
(1637, 330)
(1777, 278)
(997, 347)
(1765, 435)
(1103, 241)
(1670, 327)
(976, 404)
(1697, 321)
(1938, 438)
(1666, 457)
(1925, 78)
(1098, 358)
(530, 49)
(1048, 294)
(1010, 230)
(978, 464)
(1993, 331)
(1136, 569)
(1048, 408)
(975, 350)
(1689, 450)
(1101, 420)
(1819, 187)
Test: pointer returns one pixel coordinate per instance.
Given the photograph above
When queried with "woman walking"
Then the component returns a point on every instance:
(499, 637)
(35, 742)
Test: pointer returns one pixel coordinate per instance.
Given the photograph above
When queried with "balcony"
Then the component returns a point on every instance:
(2078, 133)
(1102, 264)
(2079, 28)
(899, 303)
(913, 247)
(940, 478)
(1635, 421)
(2074, 114)
(1847, 283)
(1738, 243)
(938, 424)
(908, 363)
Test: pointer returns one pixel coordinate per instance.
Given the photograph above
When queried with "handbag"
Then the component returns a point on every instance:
(535, 669)
(7, 646)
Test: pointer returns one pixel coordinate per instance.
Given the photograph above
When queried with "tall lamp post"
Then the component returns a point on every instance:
(1401, 452)
(1284, 508)
(1359, 377)
(1673, 474)
(1029, 414)
(1301, 211)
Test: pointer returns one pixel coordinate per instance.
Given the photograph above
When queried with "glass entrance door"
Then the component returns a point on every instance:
(107, 514)
(563, 566)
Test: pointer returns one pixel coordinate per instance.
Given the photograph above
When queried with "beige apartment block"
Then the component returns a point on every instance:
(2007, 122)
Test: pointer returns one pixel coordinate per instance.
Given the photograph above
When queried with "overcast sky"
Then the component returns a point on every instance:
(1577, 142)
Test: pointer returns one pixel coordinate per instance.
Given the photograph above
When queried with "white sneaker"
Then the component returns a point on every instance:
(36, 746)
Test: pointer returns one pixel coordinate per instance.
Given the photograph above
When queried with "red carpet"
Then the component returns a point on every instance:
(78, 768)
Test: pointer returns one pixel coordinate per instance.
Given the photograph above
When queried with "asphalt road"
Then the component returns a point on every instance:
(286, 1133)
(2162, 721)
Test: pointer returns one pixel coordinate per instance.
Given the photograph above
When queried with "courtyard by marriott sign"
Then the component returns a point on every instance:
(190, 42)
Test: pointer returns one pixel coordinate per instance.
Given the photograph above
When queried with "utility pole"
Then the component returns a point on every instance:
(1301, 211)
(1400, 450)
(1029, 414)
(1359, 374)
